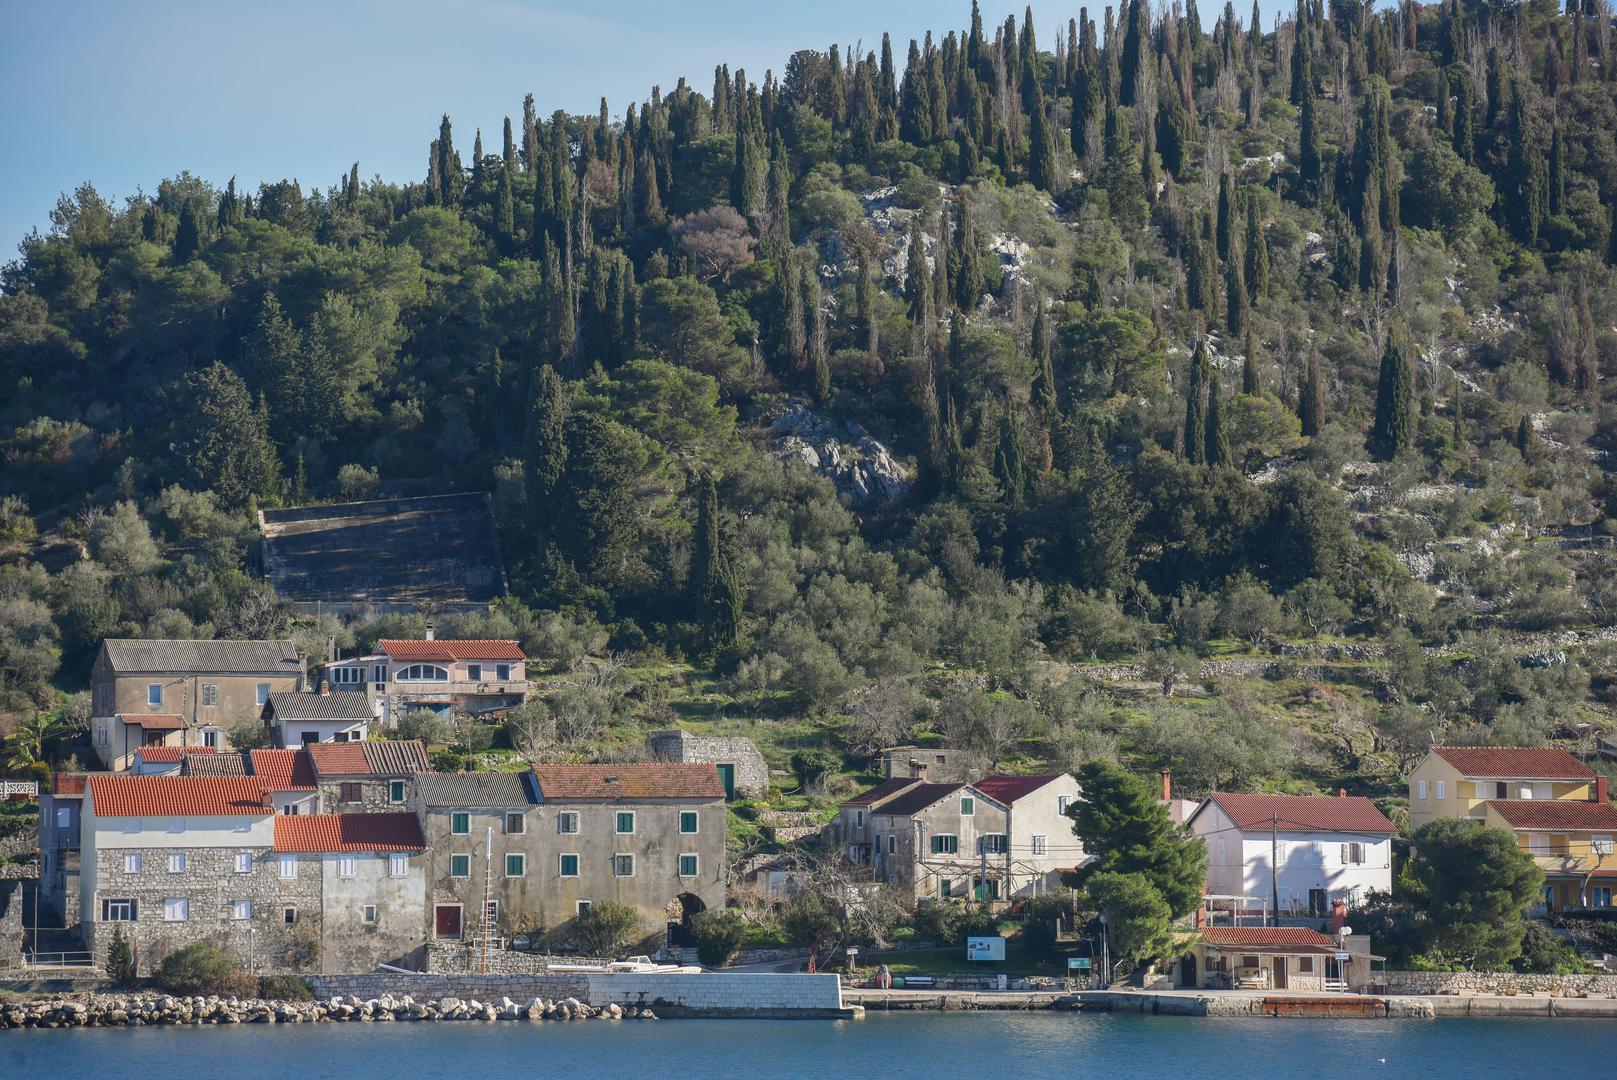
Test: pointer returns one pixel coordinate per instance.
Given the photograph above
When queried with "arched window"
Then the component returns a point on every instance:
(423, 673)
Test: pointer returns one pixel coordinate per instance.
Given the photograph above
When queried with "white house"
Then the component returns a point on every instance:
(437, 674)
(1326, 848)
(297, 719)
(1042, 843)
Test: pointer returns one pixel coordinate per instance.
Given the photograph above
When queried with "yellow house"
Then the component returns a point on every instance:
(1456, 781)
(1572, 842)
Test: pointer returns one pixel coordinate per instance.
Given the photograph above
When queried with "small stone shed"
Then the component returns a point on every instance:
(741, 767)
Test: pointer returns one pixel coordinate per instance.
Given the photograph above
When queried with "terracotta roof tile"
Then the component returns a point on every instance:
(660, 780)
(153, 722)
(338, 759)
(1257, 937)
(309, 833)
(1558, 814)
(1515, 762)
(283, 770)
(443, 650)
(1303, 813)
(176, 796)
(369, 758)
(1008, 789)
(156, 754)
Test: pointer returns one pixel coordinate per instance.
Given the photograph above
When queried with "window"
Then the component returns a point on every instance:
(687, 822)
(378, 673)
(859, 819)
(892, 843)
(263, 693)
(350, 792)
(460, 823)
(290, 808)
(1041, 844)
(502, 672)
(1538, 844)
(176, 909)
(344, 675)
(154, 693)
(1600, 845)
(993, 843)
(309, 737)
(370, 914)
(1420, 790)
(345, 866)
(516, 865)
(583, 906)
(241, 909)
(210, 693)
(947, 889)
(1223, 851)
(625, 822)
(1600, 896)
(968, 806)
(210, 738)
(244, 862)
(1352, 854)
(945, 844)
(289, 867)
(515, 824)
(1440, 790)
(289, 916)
(423, 673)
(397, 865)
(395, 791)
(117, 911)
(687, 865)
(474, 672)
(567, 823)
(176, 862)
(623, 866)
(569, 866)
(1305, 965)
(132, 863)
(460, 866)
(1501, 789)
(1063, 803)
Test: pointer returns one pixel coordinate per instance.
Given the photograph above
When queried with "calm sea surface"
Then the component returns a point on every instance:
(999, 1046)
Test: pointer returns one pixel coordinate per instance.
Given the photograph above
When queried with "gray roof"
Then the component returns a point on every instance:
(212, 765)
(477, 789)
(337, 705)
(220, 657)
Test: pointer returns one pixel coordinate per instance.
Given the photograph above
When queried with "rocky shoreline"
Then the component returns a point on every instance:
(137, 1010)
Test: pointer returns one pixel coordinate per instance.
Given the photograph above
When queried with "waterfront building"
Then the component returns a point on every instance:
(1570, 840)
(1458, 781)
(1274, 958)
(1304, 850)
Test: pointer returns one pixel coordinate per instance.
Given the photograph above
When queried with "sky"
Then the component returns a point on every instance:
(123, 94)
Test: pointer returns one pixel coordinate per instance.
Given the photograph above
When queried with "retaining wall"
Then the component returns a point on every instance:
(741, 994)
(1497, 982)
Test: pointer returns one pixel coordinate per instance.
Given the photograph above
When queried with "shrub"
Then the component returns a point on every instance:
(1040, 929)
(938, 922)
(606, 928)
(120, 959)
(248, 733)
(202, 968)
(718, 935)
(811, 766)
(285, 988)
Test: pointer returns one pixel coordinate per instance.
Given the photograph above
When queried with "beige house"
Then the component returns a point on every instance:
(181, 693)
(1042, 843)
(931, 841)
(1274, 958)
(1572, 841)
(1457, 781)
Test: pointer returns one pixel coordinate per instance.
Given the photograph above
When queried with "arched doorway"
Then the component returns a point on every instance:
(679, 913)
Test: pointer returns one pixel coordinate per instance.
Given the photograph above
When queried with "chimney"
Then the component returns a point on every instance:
(430, 631)
(325, 689)
(1602, 794)
(1167, 785)
(1341, 793)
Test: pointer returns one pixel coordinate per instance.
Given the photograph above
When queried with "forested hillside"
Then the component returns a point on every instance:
(1233, 400)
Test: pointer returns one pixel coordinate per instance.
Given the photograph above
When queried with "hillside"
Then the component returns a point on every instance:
(1228, 401)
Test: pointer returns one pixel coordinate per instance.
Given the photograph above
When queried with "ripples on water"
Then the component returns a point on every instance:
(996, 1046)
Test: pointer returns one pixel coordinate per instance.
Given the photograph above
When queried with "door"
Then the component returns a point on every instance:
(1187, 970)
(1316, 903)
(1281, 964)
(447, 920)
(727, 777)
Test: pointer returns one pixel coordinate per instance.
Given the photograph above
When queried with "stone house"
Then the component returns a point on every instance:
(1273, 958)
(935, 841)
(1042, 846)
(1456, 781)
(181, 693)
(1326, 848)
(297, 719)
(479, 677)
(366, 777)
(173, 860)
(742, 769)
(938, 764)
(479, 827)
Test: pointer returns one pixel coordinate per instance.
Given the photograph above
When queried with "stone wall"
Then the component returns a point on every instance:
(751, 771)
(1498, 982)
(757, 995)
(11, 931)
(373, 796)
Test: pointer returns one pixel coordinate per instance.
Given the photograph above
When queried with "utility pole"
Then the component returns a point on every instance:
(1274, 867)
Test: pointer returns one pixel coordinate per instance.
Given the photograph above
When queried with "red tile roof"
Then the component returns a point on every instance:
(1008, 789)
(884, 790)
(283, 770)
(659, 780)
(443, 651)
(401, 758)
(1515, 762)
(176, 796)
(154, 722)
(308, 833)
(339, 759)
(1261, 937)
(1303, 813)
(171, 753)
(1559, 814)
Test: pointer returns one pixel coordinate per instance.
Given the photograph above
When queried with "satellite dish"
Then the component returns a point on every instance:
(1346, 931)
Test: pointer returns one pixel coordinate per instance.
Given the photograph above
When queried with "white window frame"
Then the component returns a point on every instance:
(263, 693)
(241, 910)
(616, 864)
(567, 823)
(117, 904)
(1420, 790)
(422, 673)
(288, 868)
(154, 695)
(454, 820)
(1041, 844)
(522, 864)
(993, 843)
(892, 843)
(521, 820)
(289, 915)
(561, 864)
(936, 846)
(345, 866)
(244, 862)
(968, 806)
(210, 693)
(1063, 804)
(176, 862)
(582, 906)
(696, 864)
(176, 909)
(474, 672)
(369, 915)
(696, 822)
(398, 865)
(132, 862)
(460, 855)
(617, 822)
(1441, 785)
(403, 791)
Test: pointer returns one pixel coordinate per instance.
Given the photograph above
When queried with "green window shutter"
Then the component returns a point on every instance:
(514, 865)
(968, 806)
(626, 822)
(569, 866)
(460, 866)
(687, 866)
(687, 821)
(460, 824)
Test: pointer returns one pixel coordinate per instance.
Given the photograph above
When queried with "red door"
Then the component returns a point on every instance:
(448, 920)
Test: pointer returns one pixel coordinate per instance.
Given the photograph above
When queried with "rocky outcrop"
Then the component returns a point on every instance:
(860, 466)
(121, 1010)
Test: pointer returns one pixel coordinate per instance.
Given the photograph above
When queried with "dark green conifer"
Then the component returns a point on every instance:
(1394, 428)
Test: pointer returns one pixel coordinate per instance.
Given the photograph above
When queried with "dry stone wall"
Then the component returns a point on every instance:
(1499, 982)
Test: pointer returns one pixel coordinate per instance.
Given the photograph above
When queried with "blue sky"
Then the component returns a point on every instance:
(124, 94)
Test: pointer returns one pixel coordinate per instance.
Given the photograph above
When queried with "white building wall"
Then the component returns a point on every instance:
(1238, 863)
(1040, 814)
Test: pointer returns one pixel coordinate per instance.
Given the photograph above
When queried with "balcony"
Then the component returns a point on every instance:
(454, 687)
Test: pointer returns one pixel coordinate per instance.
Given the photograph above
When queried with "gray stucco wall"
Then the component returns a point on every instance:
(347, 941)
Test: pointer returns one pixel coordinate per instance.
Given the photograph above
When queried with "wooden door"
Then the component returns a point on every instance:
(1280, 963)
(727, 777)
(447, 920)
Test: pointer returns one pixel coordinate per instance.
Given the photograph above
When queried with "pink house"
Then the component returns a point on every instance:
(478, 676)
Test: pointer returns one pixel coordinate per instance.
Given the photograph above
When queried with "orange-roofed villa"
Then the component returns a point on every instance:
(479, 677)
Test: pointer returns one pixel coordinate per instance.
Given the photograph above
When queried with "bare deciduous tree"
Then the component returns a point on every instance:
(718, 239)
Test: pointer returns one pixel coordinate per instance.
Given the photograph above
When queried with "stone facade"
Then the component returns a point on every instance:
(1496, 982)
(749, 773)
(935, 765)
(375, 794)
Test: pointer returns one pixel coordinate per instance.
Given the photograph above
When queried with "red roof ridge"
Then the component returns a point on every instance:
(1523, 762)
(333, 833)
(1303, 813)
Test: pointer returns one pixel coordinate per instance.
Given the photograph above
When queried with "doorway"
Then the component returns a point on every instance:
(446, 921)
(1281, 963)
(727, 777)
(1317, 903)
(1187, 970)
(684, 907)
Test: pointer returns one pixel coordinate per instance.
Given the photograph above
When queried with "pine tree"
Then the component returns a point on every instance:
(1394, 428)
(223, 441)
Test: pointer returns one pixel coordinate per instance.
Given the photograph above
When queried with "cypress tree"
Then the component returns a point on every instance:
(1200, 376)
(1218, 440)
(968, 277)
(1237, 304)
(1465, 110)
(917, 277)
(1257, 253)
(1044, 376)
(1394, 428)
(188, 237)
(1311, 402)
(1555, 201)
(505, 222)
(353, 185)
(544, 456)
(1042, 169)
(1010, 459)
(1527, 175)
(1310, 164)
(1251, 386)
(1226, 216)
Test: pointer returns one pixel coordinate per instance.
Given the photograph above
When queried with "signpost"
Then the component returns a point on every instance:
(985, 948)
